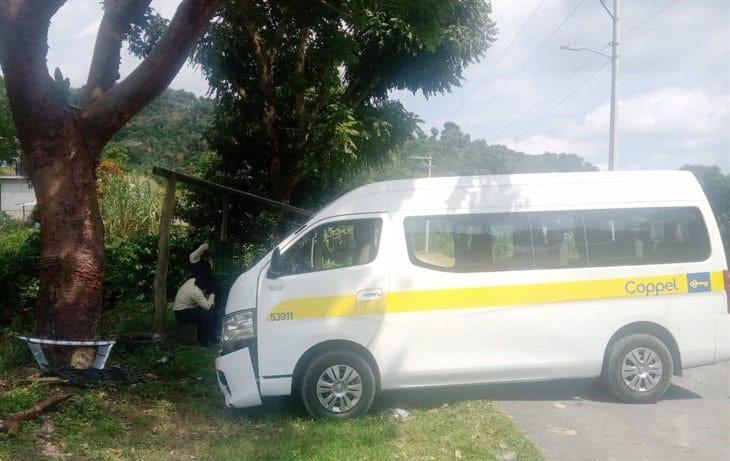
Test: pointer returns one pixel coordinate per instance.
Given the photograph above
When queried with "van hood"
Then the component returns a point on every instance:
(242, 294)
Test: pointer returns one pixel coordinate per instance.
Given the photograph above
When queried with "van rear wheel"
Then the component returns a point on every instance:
(338, 385)
(640, 369)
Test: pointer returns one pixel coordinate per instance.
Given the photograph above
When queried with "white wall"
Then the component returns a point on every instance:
(15, 190)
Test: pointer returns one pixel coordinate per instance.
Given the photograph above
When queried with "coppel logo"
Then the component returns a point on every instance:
(699, 282)
(651, 288)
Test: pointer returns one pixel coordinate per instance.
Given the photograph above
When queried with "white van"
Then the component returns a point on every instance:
(483, 279)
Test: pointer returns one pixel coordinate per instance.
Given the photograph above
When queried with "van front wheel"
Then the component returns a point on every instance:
(640, 369)
(338, 385)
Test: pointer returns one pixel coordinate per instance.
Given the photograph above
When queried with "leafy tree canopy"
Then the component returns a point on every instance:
(453, 153)
(170, 132)
(302, 86)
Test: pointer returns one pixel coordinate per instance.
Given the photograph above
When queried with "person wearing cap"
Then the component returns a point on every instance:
(195, 300)
(201, 260)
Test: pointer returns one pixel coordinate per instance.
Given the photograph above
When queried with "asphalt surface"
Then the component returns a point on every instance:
(577, 420)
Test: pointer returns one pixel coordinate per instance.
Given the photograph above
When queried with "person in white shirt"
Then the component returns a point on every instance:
(195, 300)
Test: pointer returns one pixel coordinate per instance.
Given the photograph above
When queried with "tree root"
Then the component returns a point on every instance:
(11, 423)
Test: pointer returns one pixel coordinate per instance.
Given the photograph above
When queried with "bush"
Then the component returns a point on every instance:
(130, 270)
(130, 205)
(131, 265)
(19, 259)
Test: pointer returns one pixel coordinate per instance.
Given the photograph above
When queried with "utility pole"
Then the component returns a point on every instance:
(613, 142)
(613, 122)
(426, 158)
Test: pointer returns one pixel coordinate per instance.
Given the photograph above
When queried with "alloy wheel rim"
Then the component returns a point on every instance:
(641, 369)
(339, 388)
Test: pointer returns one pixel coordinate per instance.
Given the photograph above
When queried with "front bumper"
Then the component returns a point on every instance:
(236, 379)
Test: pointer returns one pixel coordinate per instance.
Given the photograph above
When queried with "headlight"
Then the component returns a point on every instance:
(238, 326)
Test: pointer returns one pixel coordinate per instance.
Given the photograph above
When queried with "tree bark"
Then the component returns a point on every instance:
(72, 236)
(61, 145)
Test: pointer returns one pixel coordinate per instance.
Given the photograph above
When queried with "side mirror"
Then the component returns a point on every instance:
(276, 267)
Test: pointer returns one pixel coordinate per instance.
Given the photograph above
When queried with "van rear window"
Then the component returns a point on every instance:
(560, 239)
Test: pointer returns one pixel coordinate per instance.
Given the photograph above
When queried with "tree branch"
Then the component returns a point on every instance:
(299, 69)
(265, 61)
(344, 14)
(23, 50)
(264, 57)
(17, 11)
(11, 424)
(104, 70)
(114, 108)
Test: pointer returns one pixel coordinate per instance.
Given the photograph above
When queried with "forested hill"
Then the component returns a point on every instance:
(169, 132)
(454, 153)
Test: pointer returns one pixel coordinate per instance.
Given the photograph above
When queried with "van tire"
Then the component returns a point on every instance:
(338, 362)
(633, 349)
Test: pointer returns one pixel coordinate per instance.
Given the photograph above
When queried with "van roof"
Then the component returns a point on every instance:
(519, 191)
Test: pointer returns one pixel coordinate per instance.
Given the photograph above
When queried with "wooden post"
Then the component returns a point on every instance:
(224, 219)
(163, 256)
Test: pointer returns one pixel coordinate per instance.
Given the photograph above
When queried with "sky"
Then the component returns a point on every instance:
(528, 94)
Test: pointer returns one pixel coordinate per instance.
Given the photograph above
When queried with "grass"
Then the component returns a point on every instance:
(178, 413)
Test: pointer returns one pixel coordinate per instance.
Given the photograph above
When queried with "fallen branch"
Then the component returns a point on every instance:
(11, 424)
(44, 380)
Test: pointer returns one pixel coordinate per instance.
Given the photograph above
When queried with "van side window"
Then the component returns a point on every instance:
(470, 243)
(334, 245)
(558, 239)
(431, 240)
(646, 236)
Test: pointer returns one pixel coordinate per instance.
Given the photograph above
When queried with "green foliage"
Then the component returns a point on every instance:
(178, 413)
(117, 153)
(145, 31)
(62, 86)
(169, 132)
(131, 205)
(9, 144)
(455, 154)
(302, 92)
(131, 265)
(20, 399)
(19, 265)
(130, 271)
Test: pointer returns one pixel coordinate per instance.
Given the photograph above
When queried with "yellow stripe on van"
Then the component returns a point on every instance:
(498, 296)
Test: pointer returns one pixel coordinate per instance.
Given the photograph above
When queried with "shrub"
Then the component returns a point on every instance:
(131, 265)
(130, 205)
(19, 257)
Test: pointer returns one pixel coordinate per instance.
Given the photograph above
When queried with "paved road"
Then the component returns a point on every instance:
(576, 420)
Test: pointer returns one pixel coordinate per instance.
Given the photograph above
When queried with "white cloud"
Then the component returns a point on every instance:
(674, 84)
(665, 128)
(673, 111)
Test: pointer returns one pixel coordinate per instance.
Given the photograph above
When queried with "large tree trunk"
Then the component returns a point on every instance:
(284, 173)
(72, 236)
(61, 145)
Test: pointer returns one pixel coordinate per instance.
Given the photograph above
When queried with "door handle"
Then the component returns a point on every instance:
(369, 294)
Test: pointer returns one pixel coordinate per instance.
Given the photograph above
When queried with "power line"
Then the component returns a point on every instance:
(649, 18)
(548, 94)
(578, 69)
(509, 46)
(532, 56)
(555, 107)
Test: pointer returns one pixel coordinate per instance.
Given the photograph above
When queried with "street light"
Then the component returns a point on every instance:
(613, 130)
(582, 48)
